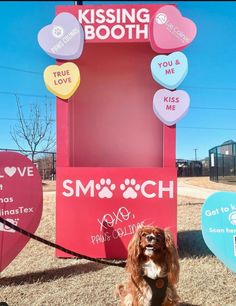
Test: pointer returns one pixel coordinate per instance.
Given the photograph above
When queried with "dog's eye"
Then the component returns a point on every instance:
(159, 237)
(144, 234)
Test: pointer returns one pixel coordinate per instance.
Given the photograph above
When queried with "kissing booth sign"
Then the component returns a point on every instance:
(116, 130)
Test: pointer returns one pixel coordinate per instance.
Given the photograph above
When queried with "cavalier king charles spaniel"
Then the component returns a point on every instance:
(153, 269)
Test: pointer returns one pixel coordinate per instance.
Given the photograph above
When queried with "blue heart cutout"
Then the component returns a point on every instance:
(219, 226)
(169, 70)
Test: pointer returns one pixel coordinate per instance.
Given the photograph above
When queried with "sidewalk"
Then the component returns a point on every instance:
(184, 189)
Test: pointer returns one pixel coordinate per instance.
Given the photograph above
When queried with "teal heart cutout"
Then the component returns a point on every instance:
(219, 226)
(169, 70)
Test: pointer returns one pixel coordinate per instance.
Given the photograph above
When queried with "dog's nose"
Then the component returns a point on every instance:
(150, 238)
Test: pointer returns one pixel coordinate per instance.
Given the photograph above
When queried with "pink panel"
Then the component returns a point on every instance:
(134, 27)
(111, 115)
(99, 209)
(169, 136)
(63, 148)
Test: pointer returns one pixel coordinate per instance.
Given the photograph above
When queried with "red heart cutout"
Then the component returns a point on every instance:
(169, 31)
(20, 203)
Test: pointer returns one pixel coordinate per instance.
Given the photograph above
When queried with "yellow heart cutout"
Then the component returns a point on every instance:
(62, 80)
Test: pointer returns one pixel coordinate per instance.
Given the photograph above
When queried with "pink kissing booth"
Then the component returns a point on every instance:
(115, 159)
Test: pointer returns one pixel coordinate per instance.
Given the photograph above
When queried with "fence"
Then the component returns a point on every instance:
(191, 168)
(46, 164)
(44, 161)
(223, 163)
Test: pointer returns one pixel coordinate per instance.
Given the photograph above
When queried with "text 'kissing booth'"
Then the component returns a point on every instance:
(115, 158)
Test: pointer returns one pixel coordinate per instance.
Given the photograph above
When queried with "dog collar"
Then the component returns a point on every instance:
(158, 287)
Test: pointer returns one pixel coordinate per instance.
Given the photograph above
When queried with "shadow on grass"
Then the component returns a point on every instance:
(191, 244)
(51, 274)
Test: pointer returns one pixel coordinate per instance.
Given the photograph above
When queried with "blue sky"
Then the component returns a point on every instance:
(210, 81)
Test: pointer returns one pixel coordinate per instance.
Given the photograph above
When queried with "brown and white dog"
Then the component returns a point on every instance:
(153, 269)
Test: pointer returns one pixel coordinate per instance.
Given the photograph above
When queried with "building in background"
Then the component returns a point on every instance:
(222, 163)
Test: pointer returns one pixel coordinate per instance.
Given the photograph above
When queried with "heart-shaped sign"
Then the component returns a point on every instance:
(170, 106)
(169, 70)
(62, 80)
(219, 226)
(169, 31)
(20, 203)
(63, 38)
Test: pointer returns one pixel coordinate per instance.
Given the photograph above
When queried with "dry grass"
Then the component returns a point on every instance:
(36, 277)
(49, 185)
(206, 183)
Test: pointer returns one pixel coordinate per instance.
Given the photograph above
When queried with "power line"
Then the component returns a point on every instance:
(211, 88)
(25, 94)
(15, 119)
(48, 97)
(20, 70)
(178, 127)
(190, 87)
(206, 128)
(213, 108)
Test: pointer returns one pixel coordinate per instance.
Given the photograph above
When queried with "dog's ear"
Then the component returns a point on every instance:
(133, 260)
(172, 258)
(134, 247)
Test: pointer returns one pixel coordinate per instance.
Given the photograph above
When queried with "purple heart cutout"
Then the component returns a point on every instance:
(170, 106)
(63, 38)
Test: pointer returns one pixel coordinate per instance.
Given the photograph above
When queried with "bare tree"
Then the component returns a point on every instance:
(34, 133)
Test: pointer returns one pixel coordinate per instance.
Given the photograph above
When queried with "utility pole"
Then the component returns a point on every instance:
(195, 150)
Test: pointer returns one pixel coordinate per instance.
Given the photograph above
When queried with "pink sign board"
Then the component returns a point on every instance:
(20, 203)
(113, 23)
(115, 159)
(100, 209)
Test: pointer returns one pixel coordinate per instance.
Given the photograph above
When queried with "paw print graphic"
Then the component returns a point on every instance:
(57, 31)
(105, 188)
(129, 189)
